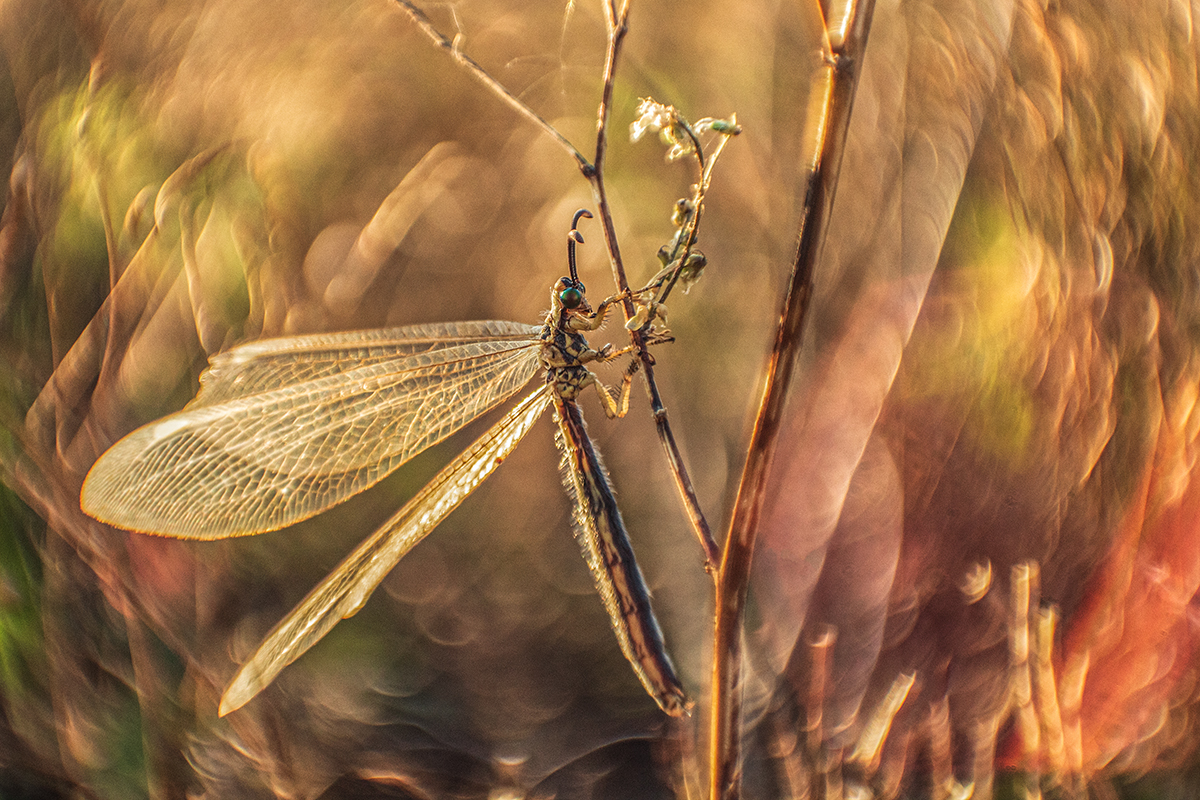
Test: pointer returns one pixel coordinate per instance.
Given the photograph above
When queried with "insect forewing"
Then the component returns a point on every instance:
(270, 363)
(619, 582)
(345, 590)
(263, 460)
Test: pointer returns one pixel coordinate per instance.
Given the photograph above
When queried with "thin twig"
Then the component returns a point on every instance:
(683, 481)
(840, 78)
(618, 26)
(693, 223)
(497, 88)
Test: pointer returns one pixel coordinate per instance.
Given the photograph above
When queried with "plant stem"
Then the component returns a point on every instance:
(837, 84)
(618, 25)
(693, 224)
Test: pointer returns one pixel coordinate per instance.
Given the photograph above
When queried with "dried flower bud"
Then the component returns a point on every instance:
(639, 318)
(690, 272)
(683, 211)
(657, 117)
(652, 116)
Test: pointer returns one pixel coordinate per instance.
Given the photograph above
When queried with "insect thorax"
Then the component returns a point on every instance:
(563, 354)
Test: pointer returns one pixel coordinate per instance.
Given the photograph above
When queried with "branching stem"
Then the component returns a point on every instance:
(618, 26)
(687, 240)
(616, 19)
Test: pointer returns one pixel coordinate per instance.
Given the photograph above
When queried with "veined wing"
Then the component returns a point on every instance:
(260, 462)
(269, 363)
(605, 542)
(347, 588)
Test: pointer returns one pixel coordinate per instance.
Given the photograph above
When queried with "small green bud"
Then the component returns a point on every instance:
(726, 126)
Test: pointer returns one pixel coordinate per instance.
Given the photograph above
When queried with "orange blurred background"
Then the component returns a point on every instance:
(978, 566)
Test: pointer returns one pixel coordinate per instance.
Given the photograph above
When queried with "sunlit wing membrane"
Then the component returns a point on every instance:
(345, 590)
(605, 542)
(270, 363)
(263, 461)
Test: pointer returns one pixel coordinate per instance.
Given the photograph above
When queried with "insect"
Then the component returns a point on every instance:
(283, 429)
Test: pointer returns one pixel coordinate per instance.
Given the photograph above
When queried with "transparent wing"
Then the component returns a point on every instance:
(269, 363)
(262, 461)
(345, 590)
(609, 554)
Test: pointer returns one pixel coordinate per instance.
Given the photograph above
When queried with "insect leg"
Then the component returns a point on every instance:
(615, 403)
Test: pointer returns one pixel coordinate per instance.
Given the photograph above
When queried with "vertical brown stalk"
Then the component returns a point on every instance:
(833, 96)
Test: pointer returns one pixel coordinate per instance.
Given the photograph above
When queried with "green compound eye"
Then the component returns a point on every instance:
(571, 297)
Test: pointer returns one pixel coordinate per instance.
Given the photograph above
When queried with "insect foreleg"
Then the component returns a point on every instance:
(584, 322)
(616, 403)
(606, 353)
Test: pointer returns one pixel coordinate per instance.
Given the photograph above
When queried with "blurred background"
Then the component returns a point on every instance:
(978, 566)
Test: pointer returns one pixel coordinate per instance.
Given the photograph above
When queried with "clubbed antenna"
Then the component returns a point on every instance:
(574, 236)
